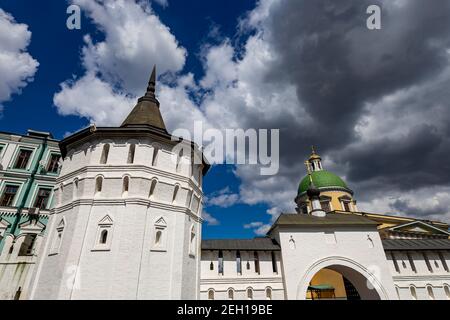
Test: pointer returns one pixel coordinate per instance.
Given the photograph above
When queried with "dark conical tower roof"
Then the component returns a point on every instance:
(146, 112)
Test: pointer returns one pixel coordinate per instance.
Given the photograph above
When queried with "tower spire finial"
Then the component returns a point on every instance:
(151, 84)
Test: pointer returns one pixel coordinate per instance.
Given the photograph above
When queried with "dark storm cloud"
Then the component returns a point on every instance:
(339, 67)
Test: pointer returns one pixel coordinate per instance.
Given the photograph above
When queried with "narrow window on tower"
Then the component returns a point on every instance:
(151, 194)
(104, 234)
(57, 240)
(159, 237)
(155, 155)
(175, 193)
(193, 243)
(125, 186)
(210, 294)
(105, 154)
(131, 153)
(98, 185)
(179, 160)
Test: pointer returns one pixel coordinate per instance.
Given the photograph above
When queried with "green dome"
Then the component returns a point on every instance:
(322, 179)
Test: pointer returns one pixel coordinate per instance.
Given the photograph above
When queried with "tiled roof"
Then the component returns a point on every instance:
(240, 244)
(416, 244)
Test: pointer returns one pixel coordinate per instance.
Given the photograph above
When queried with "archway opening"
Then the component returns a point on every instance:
(340, 283)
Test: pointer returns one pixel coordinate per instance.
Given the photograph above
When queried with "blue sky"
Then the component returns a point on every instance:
(57, 49)
(311, 69)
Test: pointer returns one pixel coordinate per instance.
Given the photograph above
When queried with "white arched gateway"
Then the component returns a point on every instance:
(365, 281)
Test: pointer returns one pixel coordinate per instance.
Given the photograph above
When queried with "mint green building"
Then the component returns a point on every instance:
(29, 166)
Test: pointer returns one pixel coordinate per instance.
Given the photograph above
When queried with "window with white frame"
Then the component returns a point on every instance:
(42, 197)
(53, 163)
(159, 241)
(23, 159)
(103, 237)
(9, 195)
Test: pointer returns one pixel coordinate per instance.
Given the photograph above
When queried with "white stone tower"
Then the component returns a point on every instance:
(127, 220)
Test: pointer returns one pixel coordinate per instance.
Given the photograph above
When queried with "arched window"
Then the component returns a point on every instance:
(131, 153)
(250, 294)
(98, 184)
(268, 293)
(447, 291)
(160, 234)
(211, 266)
(430, 292)
(179, 160)
(413, 292)
(230, 294)
(155, 155)
(158, 237)
(103, 236)
(175, 192)
(210, 294)
(75, 188)
(58, 237)
(152, 188)
(105, 153)
(125, 185)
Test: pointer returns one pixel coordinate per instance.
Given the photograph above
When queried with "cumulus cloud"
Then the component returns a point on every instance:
(223, 198)
(120, 64)
(210, 220)
(375, 103)
(17, 67)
